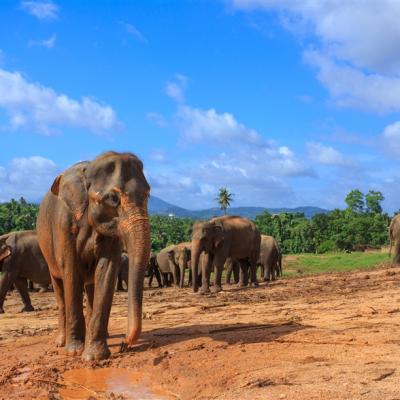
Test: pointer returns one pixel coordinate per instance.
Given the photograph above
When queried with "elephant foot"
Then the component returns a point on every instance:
(216, 289)
(60, 341)
(74, 348)
(27, 309)
(96, 351)
(204, 290)
(242, 284)
(1, 310)
(255, 284)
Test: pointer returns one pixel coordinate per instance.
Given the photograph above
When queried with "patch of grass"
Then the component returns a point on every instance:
(308, 264)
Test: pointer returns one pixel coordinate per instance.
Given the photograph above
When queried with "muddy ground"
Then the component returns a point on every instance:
(333, 336)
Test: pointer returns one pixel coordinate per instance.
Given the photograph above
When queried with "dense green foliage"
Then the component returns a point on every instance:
(361, 223)
(17, 216)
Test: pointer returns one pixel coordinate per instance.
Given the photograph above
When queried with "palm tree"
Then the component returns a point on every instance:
(224, 199)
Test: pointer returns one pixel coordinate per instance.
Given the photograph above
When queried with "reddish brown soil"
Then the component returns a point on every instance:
(323, 337)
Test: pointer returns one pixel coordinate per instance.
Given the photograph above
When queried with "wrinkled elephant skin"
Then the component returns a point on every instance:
(93, 210)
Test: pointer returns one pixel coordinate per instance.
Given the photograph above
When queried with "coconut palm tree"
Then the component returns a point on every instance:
(224, 199)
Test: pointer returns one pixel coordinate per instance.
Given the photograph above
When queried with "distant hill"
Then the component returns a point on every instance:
(161, 207)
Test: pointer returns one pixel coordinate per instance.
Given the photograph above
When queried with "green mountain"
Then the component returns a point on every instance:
(161, 207)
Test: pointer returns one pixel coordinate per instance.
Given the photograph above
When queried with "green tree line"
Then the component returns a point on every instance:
(362, 223)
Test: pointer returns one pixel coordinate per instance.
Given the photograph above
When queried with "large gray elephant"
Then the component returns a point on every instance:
(174, 259)
(93, 210)
(394, 237)
(221, 238)
(20, 260)
(270, 259)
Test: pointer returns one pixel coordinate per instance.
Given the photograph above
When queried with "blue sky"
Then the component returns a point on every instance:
(287, 103)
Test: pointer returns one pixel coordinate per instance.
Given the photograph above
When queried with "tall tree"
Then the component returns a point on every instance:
(355, 201)
(373, 201)
(224, 199)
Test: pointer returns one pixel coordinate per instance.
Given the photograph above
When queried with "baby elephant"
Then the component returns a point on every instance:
(20, 260)
(270, 259)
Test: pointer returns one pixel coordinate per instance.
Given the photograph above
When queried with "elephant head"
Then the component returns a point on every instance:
(5, 249)
(206, 236)
(110, 195)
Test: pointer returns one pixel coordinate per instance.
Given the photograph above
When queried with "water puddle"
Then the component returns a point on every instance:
(108, 383)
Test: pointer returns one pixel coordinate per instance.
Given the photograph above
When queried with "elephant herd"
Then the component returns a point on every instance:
(93, 235)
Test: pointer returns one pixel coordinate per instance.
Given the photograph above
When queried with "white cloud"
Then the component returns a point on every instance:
(176, 89)
(34, 106)
(28, 177)
(351, 87)
(356, 46)
(132, 30)
(197, 125)
(326, 155)
(391, 139)
(48, 43)
(245, 145)
(43, 10)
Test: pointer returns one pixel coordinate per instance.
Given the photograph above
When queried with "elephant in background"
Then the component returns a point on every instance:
(20, 260)
(394, 237)
(92, 211)
(153, 271)
(221, 238)
(174, 260)
(270, 259)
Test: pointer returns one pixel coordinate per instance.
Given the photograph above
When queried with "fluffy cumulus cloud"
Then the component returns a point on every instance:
(391, 139)
(42, 10)
(254, 168)
(327, 155)
(355, 49)
(29, 177)
(37, 107)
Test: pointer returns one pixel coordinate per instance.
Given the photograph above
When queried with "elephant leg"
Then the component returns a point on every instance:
(236, 272)
(89, 292)
(182, 277)
(96, 347)
(5, 281)
(253, 273)
(75, 321)
(244, 274)
(158, 277)
(22, 286)
(120, 287)
(219, 261)
(190, 277)
(205, 273)
(229, 271)
(58, 288)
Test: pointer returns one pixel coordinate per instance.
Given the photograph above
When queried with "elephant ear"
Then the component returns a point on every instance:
(5, 252)
(218, 233)
(72, 188)
(171, 254)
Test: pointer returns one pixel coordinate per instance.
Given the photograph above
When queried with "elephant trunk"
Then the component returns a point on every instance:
(135, 231)
(196, 251)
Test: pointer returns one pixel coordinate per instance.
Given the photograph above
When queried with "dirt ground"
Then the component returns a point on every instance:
(333, 336)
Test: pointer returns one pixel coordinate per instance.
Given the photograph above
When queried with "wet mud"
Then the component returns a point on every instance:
(333, 336)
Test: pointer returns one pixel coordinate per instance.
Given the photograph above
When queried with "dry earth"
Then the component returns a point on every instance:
(333, 336)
